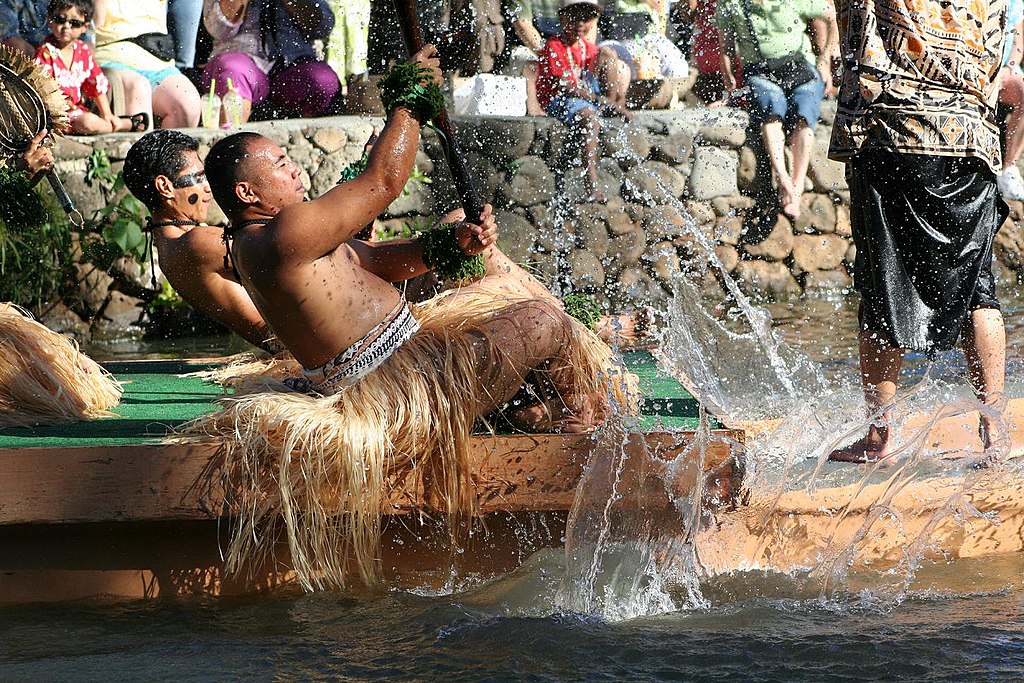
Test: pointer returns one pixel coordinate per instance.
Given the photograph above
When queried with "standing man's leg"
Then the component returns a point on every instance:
(183, 17)
(879, 371)
(985, 350)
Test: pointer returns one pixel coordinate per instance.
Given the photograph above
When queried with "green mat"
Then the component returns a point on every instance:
(157, 399)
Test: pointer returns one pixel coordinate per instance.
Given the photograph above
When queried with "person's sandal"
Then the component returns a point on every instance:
(140, 122)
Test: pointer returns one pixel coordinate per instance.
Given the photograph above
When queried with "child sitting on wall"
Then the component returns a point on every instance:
(70, 62)
(576, 81)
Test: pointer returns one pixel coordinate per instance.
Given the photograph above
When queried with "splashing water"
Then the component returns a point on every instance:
(747, 375)
(644, 540)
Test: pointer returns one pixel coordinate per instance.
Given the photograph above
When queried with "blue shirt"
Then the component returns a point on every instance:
(1014, 15)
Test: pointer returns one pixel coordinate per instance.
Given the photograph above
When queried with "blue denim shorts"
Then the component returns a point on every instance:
(154, 77)
(565, 107)
(802, 102)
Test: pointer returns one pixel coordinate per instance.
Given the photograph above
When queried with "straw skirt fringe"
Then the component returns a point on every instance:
(44, 378)
(319, 470)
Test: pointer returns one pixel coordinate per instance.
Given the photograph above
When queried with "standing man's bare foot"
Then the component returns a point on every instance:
(870, 448)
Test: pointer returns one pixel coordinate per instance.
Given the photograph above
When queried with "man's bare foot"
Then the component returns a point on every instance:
(870, 448)
(553, 415)
(628, 329)
(789, 200)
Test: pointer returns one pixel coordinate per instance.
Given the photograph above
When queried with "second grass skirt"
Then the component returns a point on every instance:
(319, 470)
(44, 378)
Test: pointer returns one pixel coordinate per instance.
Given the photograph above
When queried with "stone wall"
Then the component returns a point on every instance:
(674, 179)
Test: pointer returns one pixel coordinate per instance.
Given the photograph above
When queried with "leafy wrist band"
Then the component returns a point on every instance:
(442, 255)
(355, 169)
(409, 85)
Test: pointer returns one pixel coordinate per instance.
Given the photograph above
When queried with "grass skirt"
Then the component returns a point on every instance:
(44, 378)
(320, 470)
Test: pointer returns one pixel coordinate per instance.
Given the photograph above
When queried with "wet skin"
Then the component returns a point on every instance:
(192, 257)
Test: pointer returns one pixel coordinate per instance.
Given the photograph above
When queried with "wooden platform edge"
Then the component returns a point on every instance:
(163, 482)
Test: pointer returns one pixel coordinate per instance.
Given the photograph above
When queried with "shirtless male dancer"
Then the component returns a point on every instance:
(164, 172)
(330, 298)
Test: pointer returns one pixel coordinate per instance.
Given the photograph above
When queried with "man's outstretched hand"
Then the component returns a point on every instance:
(475, 238)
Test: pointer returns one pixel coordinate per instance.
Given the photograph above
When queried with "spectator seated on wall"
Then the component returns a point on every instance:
(131, 36)
(705, 48)
(636, 31)
(69, 61)
(24, 25)
(576, 82)
(533, 23)
(266, 48)
(778, 42)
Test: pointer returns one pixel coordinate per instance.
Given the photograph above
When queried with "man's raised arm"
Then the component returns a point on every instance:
(336, 216)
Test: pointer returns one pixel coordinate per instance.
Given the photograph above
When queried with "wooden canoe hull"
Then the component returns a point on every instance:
(145, 521)
(945, 503)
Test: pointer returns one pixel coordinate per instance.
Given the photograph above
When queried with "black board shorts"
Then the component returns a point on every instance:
(923, 226)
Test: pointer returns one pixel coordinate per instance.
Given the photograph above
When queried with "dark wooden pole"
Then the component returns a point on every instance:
(464, 184)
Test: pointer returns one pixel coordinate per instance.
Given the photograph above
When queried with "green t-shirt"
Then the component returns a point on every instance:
(528, 9)
(780, 25)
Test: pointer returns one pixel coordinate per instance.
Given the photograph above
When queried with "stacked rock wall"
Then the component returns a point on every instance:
(675, 182)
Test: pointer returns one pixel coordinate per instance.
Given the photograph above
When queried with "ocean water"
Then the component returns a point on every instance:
(968, 635)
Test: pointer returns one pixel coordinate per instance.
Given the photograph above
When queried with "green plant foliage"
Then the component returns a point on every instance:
(167, 299)
(35, 257)
(116, 229)
(19, 205)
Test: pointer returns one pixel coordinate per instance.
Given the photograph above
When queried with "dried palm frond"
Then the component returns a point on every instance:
(29, 102)
(44, 378)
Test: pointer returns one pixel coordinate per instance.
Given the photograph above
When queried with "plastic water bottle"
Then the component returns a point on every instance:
(232, 103)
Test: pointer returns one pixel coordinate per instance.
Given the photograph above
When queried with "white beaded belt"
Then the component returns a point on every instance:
(364, 356)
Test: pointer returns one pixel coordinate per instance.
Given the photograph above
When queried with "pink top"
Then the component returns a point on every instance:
(82, 79)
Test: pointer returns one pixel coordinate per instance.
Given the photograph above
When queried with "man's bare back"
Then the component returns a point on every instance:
(163, 170)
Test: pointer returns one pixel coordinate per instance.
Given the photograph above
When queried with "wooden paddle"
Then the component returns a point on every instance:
(464, 183)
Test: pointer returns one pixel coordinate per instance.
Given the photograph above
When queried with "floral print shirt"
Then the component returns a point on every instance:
(83, 78)
(919, 77)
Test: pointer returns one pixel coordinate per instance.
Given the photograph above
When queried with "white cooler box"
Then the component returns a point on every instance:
(490, 95)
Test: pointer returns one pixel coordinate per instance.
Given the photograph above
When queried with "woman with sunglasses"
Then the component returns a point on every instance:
(70, 62)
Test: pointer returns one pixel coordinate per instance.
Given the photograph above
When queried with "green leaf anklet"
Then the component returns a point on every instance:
(583, 308)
